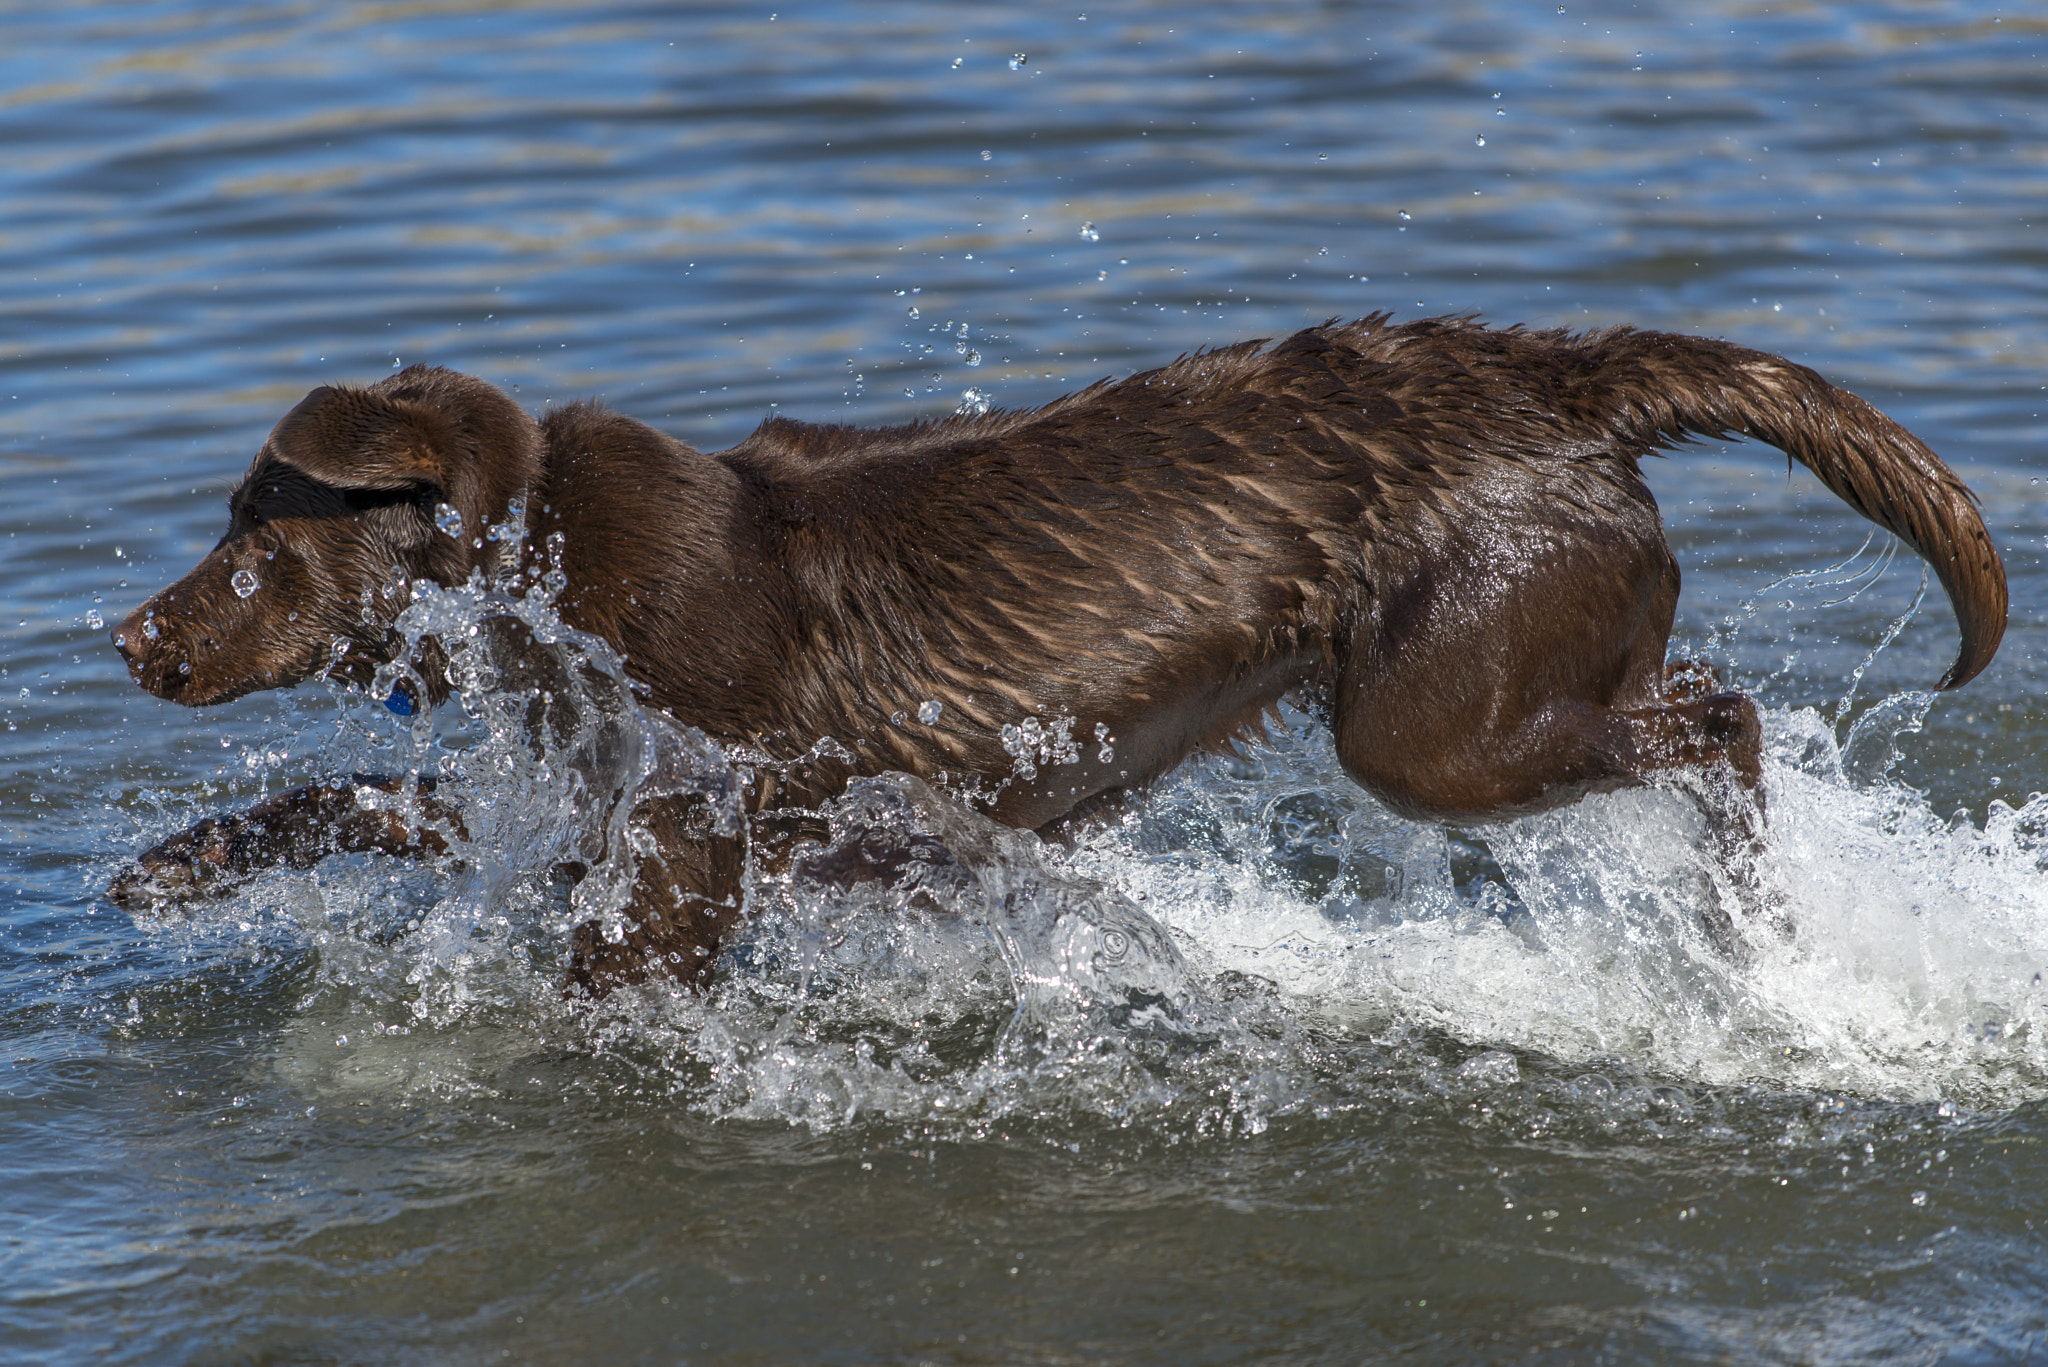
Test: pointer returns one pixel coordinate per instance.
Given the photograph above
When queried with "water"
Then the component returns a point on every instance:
(1260, 1073)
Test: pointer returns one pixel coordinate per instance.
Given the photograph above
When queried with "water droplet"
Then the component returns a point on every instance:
(1479, 139)
(1089, 233)
(987, 155)
(185, 668)
(973, 357)
(1404, 215)
(913, 311)
(1919, 1198)
(1018, 60)
(340, 646)
(973, 402)
(94, 620)
(930, 712)
(245, 583)
(448, 519)
(150, 630)
(898, 717)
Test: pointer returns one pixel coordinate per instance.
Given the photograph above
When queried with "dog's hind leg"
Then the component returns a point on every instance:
(298, 828)
(1522, 667)
(686, 898)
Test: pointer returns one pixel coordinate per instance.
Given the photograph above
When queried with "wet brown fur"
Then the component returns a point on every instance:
(1437, 533)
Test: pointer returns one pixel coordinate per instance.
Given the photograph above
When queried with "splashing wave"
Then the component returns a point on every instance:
(1255, 937)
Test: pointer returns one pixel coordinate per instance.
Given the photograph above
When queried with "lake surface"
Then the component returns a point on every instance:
(1262, 1074)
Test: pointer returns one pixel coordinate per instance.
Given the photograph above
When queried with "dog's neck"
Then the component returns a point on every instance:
(651, 537)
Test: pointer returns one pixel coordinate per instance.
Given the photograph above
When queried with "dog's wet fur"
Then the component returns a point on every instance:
(1435, 534)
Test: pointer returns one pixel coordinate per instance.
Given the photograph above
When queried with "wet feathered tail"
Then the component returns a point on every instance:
(1694, 385)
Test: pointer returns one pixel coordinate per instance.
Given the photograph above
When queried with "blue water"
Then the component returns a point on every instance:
(1436, 1096)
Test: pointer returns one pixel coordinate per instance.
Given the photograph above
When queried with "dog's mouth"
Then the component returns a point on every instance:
(170, 658)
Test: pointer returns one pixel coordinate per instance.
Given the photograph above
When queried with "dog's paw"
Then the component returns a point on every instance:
(190, 864)
(1732, 728)
(1690, 681)
(154, 888)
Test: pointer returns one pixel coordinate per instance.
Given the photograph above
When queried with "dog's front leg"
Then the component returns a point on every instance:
(686, 898)
(296, 828)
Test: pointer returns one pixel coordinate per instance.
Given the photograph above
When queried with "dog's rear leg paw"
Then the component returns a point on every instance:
(1690, 681)
(1733, 729)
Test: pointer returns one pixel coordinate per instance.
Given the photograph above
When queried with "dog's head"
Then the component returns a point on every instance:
(356, 495)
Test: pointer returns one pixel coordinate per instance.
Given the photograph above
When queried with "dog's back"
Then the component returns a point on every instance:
(1164, 556)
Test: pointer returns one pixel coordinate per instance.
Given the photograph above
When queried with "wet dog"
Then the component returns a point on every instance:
(1435, 534)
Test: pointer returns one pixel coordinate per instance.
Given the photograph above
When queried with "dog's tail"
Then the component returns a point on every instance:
(1695, 385)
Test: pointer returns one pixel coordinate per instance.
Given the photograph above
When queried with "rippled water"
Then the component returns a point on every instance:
(1261, 1073)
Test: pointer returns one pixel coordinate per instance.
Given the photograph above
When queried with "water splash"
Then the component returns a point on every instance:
(1256, 937)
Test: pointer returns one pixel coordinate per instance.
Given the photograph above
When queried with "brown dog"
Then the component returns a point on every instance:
(1435, 533)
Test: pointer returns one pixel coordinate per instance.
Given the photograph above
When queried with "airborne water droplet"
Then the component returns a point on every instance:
(1017, 62)
(1089, 233)
(449, 519)
(94, 620)
(245, 583)
(929, 712)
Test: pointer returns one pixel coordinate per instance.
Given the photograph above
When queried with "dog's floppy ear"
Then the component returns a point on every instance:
(356, 439)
